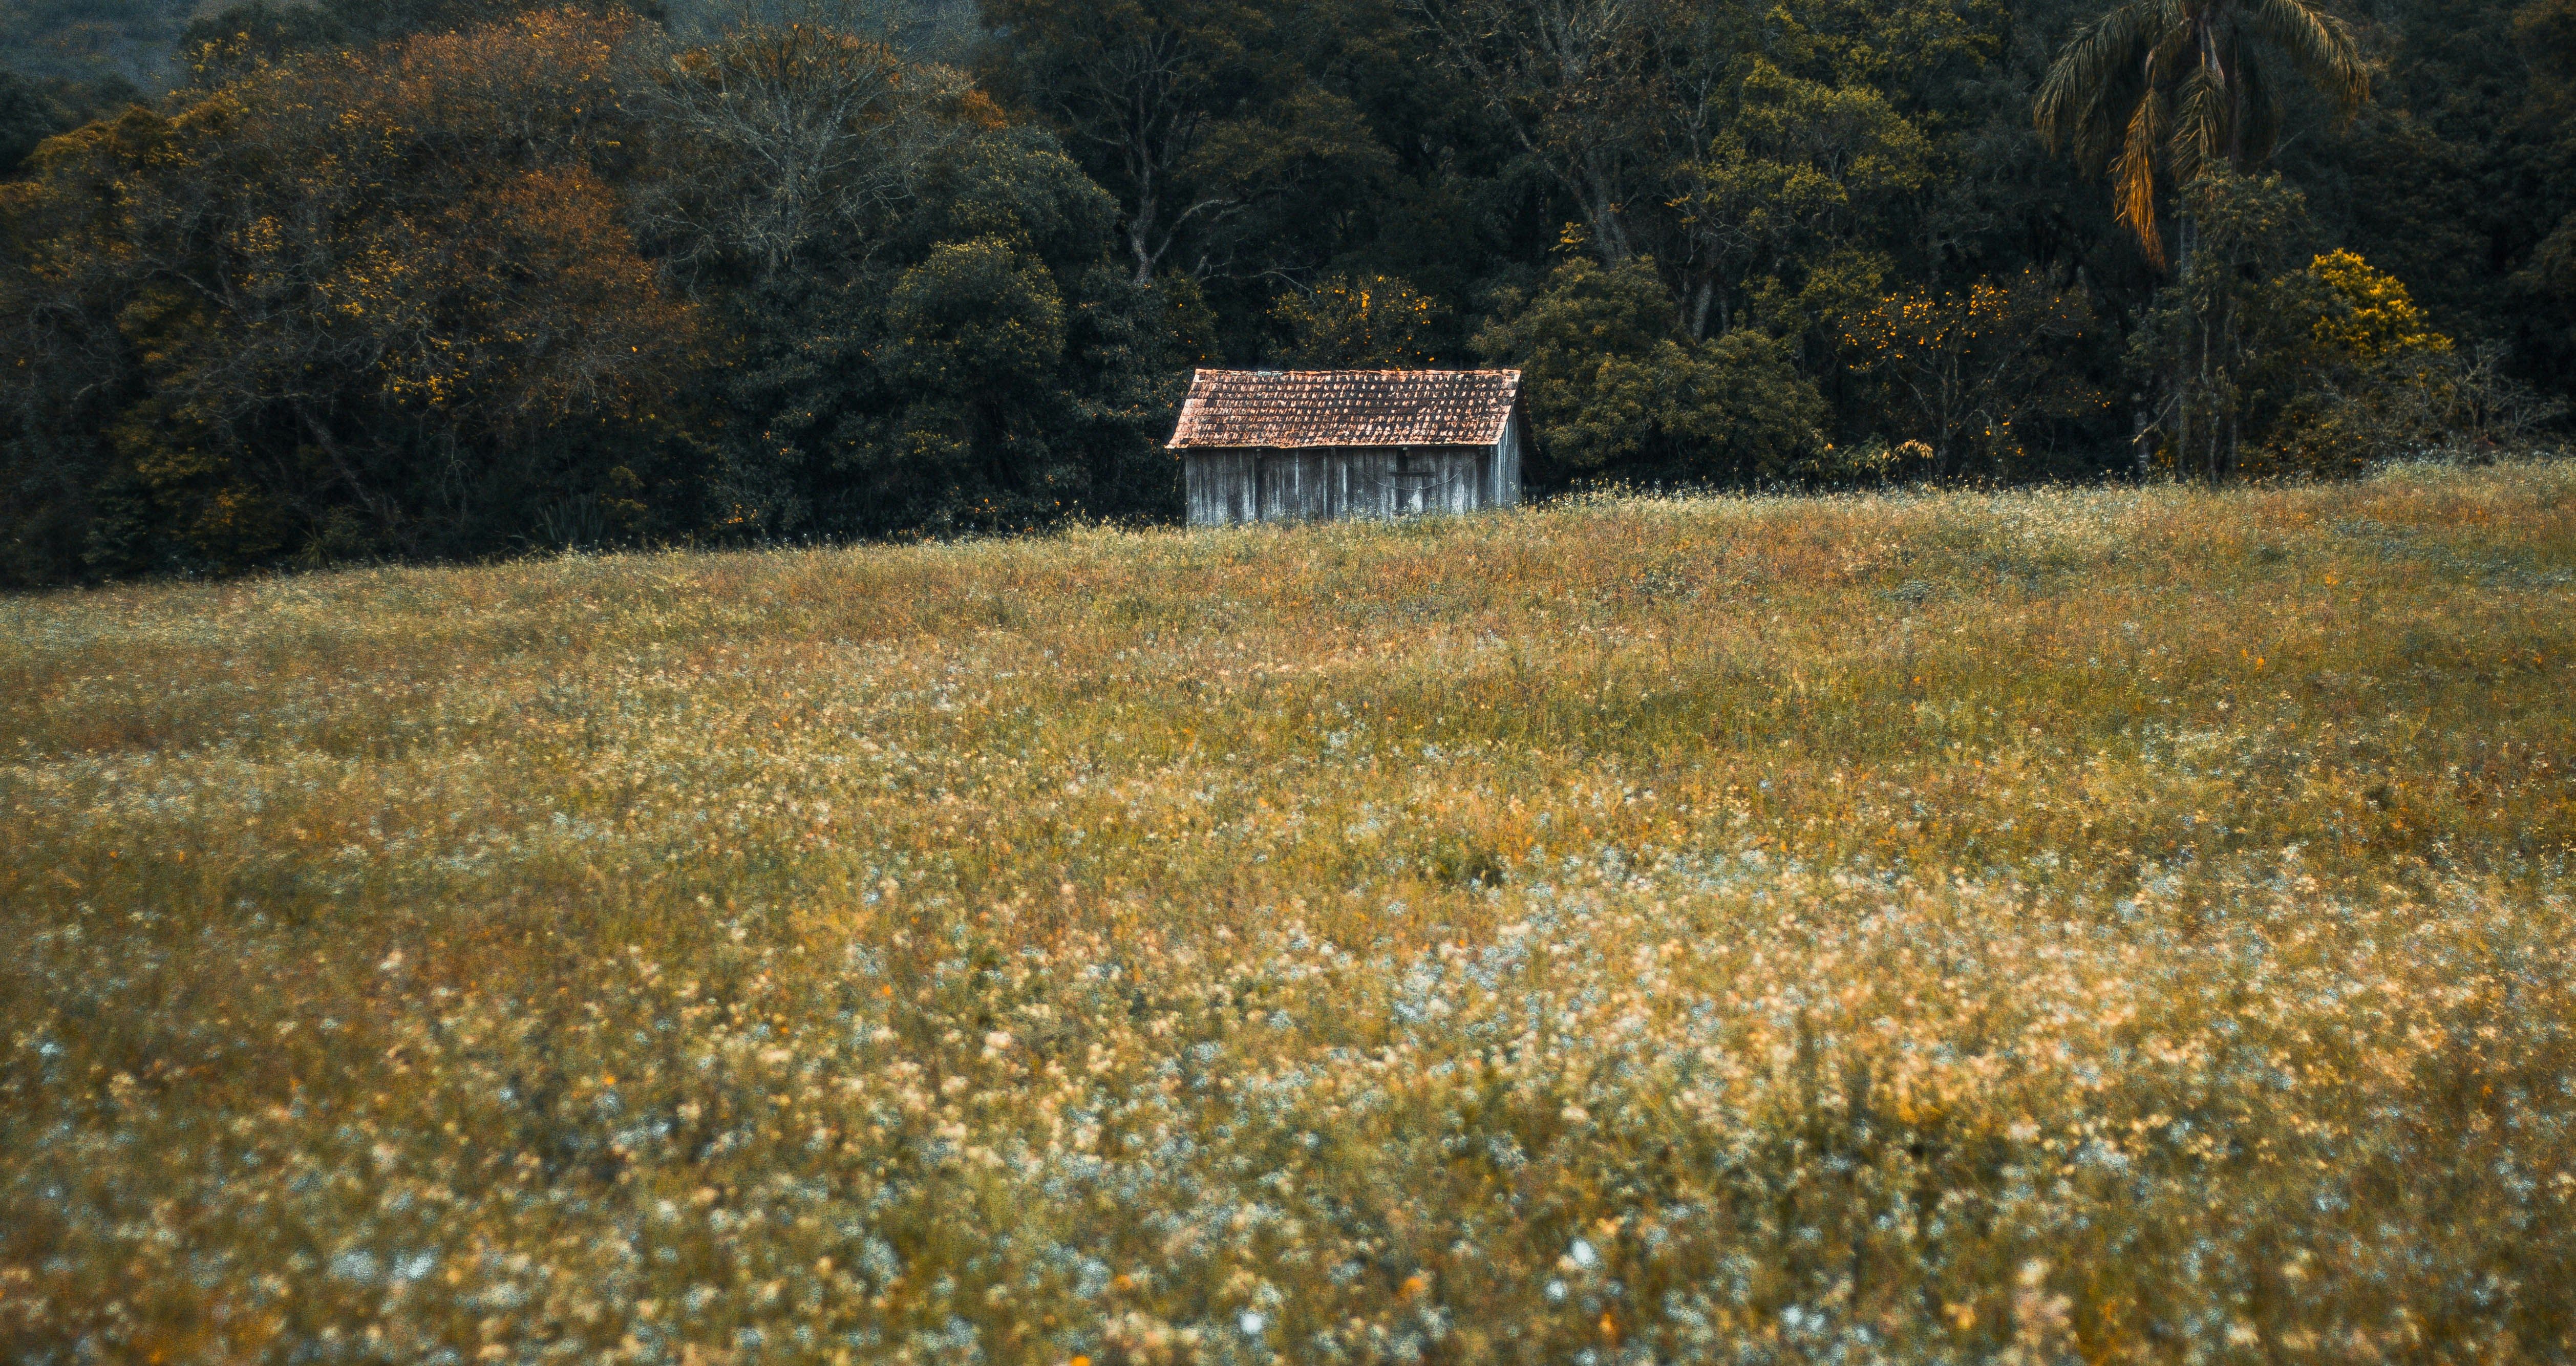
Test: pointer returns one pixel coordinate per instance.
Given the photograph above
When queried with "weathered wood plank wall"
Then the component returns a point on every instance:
(1233, 485)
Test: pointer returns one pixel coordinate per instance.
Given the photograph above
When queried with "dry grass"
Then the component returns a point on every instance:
(2126, 924)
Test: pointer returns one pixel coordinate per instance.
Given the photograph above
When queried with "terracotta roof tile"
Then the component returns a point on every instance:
(1291, 408)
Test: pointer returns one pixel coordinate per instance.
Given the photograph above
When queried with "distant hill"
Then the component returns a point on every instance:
(104, 45)
(94, 41)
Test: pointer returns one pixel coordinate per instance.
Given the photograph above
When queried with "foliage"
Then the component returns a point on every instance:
(973, 333)
(2326, 369)
(1375, 323)
(2358, 376)
(2200, 347)
(1966, 375)
(931, 336)
(781, 140)
(563, 281)
(740, 190)
(2121, 925)
(1194, 114)
(1790, 192)
(29, 114)
(356, 306)
(2368, 315)
(1751, 159)
(227, 42)
(2178, 87)
(2370, 381)
(1617, 388)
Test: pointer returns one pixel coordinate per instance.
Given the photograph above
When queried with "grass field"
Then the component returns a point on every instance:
(2119, 925)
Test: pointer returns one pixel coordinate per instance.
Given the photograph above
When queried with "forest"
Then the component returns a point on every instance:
(355, 281)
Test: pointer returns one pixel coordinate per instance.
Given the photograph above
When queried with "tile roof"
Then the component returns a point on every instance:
(1290, 408)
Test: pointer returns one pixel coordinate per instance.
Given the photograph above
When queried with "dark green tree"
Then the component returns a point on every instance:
(1618, 388)
(2199, 343)
(926, 330)
(28, 115)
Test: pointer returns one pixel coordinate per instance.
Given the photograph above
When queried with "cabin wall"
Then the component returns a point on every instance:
(1506, 474)
(1229, 486)
(1219, 486)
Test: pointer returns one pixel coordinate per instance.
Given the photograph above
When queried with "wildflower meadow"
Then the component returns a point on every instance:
(2116, 925)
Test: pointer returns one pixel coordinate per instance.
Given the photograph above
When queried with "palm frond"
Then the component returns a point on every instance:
(2106, 121)
(2133, 179)
(2317, 43)
(2172, 51)
(2203, 120)
(2092, 65)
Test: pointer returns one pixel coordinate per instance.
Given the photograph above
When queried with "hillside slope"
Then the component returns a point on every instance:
(2126, 922)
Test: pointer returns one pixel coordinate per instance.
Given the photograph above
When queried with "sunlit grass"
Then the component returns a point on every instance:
(2126, 923)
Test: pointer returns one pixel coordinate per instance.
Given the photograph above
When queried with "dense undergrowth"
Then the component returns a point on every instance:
(2116, 925)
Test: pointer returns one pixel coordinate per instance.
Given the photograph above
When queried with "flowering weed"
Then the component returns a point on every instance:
(2127, 925)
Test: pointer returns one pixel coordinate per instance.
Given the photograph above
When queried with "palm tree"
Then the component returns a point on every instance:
(2180, 84)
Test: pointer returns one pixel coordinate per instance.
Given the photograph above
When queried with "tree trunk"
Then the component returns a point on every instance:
(2182, 409)
(1140, 228)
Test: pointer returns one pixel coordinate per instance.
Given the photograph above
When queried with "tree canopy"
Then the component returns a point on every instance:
(301, 281)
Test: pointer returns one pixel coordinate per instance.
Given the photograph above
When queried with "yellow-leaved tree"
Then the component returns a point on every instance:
(2353, 369)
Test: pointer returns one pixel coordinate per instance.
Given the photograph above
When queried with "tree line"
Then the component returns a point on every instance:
(453, 278)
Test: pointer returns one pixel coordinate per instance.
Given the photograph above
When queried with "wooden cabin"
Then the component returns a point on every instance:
(1279, 445)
